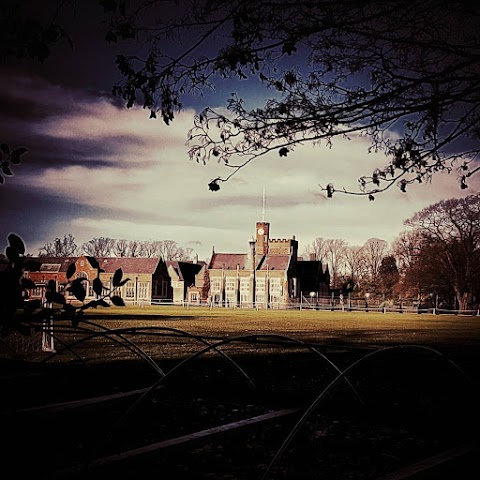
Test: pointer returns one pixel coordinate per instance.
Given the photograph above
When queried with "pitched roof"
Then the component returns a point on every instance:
(108, 264)
(229, 261)
(49, 264)
(275, 262)
(129, 264)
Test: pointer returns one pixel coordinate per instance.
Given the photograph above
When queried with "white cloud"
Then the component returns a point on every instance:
(151, 190)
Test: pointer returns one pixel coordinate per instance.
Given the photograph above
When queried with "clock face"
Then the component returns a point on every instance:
(260, 231)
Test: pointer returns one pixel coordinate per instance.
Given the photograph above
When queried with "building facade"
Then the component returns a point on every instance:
(270, 275)
(187, 281)
(148, 278)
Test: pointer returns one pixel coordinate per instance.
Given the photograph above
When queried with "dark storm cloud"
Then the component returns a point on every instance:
(90, 153)
(32, 214)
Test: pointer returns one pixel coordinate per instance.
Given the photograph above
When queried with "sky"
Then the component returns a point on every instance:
(97, 169)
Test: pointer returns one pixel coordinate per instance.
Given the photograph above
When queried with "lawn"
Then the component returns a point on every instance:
(167, 332)
(174, 331)
(312, 325)
(237, 319)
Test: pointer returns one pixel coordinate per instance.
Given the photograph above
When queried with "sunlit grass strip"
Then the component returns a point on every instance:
(319, 325)
(226, 313)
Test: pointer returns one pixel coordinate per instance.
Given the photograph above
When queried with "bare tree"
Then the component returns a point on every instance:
(60, 247)
(407, 247)
(150, 248)
(186, 254)
(409, 252)
(134, 248)
(403, 73)
(171, 250)
(317, 249)
(335, 256)
(99, 247)
(121, 248)
(355, 265)
(452, 229)
(374, 250)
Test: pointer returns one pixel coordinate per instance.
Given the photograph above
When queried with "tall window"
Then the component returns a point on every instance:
(130, 289)
(245, 290)
(260, 290)
(160, 288)
(230, 290)
(38, 291)
(216, 285)
(275, 290)
(143, 290)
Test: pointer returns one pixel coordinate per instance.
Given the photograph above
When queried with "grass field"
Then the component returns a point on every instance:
(166, 330)
(316, 325)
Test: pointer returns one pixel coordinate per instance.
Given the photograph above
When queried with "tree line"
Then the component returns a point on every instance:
(111, 247)
(437, 260)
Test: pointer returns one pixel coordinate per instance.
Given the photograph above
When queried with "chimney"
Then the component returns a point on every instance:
(252, 243)
(252, 267)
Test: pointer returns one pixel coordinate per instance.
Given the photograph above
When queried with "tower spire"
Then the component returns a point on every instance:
(263, 205)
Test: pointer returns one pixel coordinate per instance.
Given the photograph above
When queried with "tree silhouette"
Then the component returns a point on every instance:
(403, 73)
(450, 249)
(388, 274)
(60, 247)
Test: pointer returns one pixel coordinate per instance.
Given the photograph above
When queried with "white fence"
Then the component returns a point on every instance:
(354, 305)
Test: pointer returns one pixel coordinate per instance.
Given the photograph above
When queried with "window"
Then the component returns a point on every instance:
(275, 290)
(260, 285)
(38, 291)
(260, 290)
(130, 289)
(216, 285)
(143, 290)
(230, 284)
(245, 290)
(160, 288)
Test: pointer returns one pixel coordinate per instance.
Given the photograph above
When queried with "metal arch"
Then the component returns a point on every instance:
(333, 383)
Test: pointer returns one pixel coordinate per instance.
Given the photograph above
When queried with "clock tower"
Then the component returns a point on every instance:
(262, 236)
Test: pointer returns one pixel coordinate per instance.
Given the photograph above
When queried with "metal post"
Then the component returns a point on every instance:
(48, 344)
